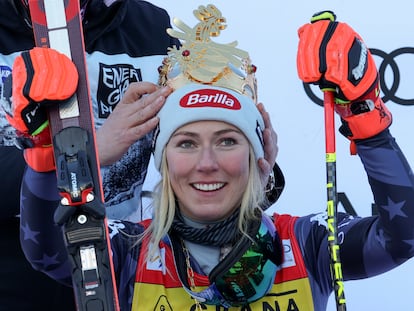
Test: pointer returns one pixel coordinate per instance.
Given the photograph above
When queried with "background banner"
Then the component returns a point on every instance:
(268, 31)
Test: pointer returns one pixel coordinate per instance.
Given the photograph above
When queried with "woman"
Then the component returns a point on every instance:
(209, 245)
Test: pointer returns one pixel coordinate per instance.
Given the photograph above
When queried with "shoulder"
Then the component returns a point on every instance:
(146, 15)
(145, 8)
(15, 33)
(127, 229)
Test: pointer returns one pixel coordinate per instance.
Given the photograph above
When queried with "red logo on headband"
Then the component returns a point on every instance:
(210, 98)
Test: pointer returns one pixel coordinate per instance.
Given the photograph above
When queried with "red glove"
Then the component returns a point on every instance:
(333, 56)
(40, 77)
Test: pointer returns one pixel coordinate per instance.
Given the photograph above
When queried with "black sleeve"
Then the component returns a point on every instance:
(275, 186)
(12, 165)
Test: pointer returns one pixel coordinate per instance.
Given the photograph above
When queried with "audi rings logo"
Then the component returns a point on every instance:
(389, 69)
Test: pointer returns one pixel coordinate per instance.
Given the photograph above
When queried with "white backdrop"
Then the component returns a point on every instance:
(268, 31)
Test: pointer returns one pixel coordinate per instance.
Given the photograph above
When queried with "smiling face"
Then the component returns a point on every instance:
(208, 165)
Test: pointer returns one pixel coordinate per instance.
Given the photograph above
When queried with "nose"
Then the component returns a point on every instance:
(207, 160)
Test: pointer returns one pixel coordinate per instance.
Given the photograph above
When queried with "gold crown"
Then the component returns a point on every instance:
(201, 60)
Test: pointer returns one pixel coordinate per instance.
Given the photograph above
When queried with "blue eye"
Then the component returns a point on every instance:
(228, 141)
(186, 144)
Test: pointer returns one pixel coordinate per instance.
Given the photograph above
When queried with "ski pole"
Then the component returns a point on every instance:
(336, 267)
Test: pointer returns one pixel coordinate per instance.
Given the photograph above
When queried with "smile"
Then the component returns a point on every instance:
(208, 187)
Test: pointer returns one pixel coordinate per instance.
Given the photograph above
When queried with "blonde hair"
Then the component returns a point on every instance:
(165, 203)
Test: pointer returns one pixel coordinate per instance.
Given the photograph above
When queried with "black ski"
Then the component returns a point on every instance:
(57, 24)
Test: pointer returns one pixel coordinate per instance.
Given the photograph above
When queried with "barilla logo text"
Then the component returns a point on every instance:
(210, 98)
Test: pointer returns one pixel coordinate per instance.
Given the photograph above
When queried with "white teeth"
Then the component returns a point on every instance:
(208, 187)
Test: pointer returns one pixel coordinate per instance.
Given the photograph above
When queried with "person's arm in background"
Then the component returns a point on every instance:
(134, 117)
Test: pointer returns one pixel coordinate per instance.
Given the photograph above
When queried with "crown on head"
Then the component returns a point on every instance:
(201, 60)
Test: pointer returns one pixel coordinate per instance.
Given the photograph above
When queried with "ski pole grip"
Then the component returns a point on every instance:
(323, 15)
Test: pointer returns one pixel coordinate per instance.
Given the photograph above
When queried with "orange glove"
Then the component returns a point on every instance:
(40, 77)
(332, 55)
